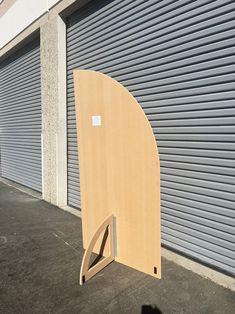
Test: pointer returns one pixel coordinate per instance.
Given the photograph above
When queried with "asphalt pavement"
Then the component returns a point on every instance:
(40, 256)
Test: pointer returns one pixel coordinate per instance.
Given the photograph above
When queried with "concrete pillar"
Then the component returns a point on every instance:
(54, 130)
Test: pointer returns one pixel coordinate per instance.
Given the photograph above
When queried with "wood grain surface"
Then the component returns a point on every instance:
(119, 169)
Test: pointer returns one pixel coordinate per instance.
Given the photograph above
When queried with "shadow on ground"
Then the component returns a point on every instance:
(149, 309)
(40, 256)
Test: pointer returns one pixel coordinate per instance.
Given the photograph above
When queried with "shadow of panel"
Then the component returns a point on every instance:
(149, 309)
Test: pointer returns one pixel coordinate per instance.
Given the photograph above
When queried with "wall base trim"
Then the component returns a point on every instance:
(72, 210)
(202, 270)
(21, 188)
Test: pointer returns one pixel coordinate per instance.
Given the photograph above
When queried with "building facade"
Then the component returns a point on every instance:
(176, 57)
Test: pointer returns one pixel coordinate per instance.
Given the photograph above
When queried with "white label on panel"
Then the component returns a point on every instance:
(96, 120)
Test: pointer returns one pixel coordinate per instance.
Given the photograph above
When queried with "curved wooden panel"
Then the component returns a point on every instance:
(119, 169)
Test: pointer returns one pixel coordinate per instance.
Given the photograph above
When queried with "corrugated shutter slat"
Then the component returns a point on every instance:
(177, 58)
(20, 117)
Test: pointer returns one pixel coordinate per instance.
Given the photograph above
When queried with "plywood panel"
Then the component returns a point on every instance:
(119, 169)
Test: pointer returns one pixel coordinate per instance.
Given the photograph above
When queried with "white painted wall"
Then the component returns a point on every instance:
(20, 15)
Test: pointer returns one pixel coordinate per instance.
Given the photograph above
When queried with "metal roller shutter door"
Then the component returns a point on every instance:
(177, 58)
(20, 119)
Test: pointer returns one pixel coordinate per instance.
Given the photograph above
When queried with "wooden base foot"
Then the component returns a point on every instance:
(86, 271)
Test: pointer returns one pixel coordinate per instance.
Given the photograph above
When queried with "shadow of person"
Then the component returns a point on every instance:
(149, 309)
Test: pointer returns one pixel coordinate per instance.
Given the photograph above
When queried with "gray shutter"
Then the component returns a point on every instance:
(20, 117)
(177, 58)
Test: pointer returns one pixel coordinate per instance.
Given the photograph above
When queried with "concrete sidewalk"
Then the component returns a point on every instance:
(40, 257)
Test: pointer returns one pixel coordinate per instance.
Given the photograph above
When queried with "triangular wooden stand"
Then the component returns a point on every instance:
(86, 272)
